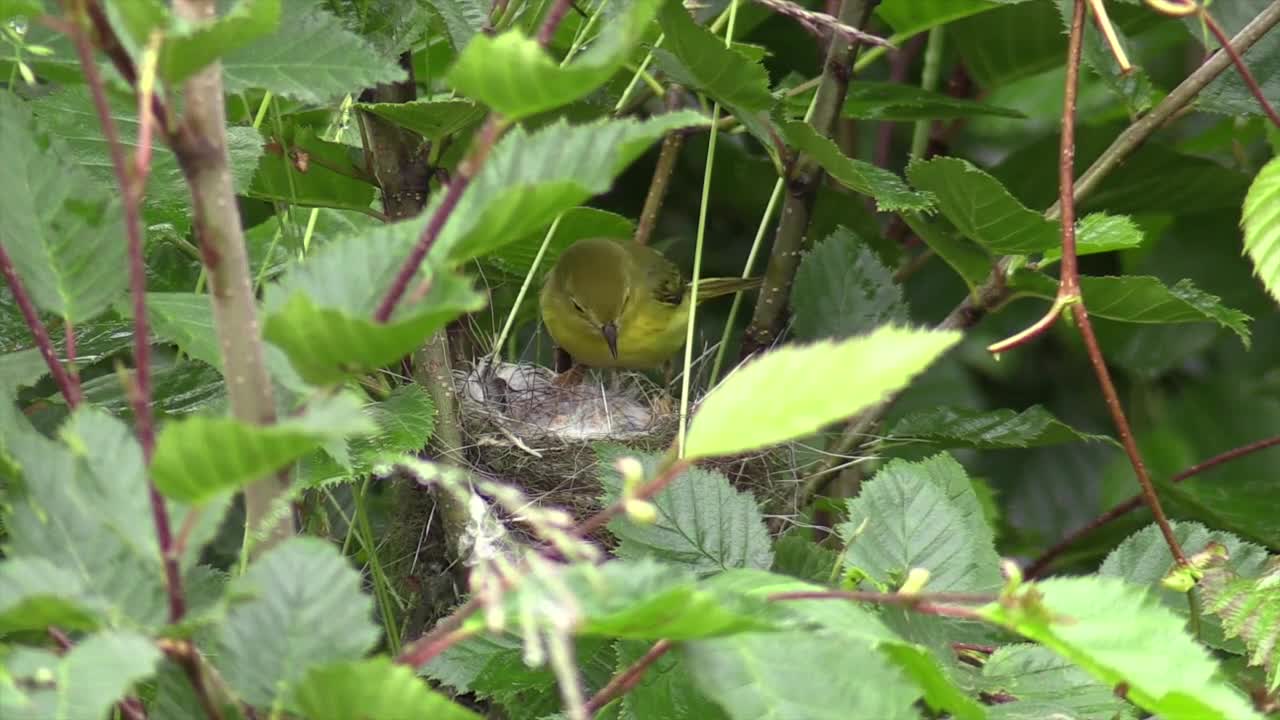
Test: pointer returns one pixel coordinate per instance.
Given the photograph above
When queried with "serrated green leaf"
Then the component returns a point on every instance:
(921, 515)
(908, 17)
(36, 594)
(304, 609)
(970, 261)
(981, 208)
(1142, 299)
(1099, 233)
(788, 675)
(842, 289)
(803, 559)
(433, 119)
(992, 429)
(703, 523)
(199, 458)
(695, 57)
(1249, 608)
(531, 177)
(311, 57)
(1228, 93)
(311, 172)
(790, 392)
(321, 311)
(82, 684)
(186, 320)
(514, 76)
(62, 230)
(940, 693)
(868, 100)
(189, 47)
(463, 19)
(1041, 684)
(374, 688)
(1261, 222)
(405, 421)
(665, 689)
(1121, 635)
(890, 192)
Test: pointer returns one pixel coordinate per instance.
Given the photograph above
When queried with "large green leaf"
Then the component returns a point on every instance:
(982, 208)
(1123, 636)
(321, 311)
(463, 19)
(514, 76)
(434, 119)
(186, 319)
(908, 17)
(869, 100)
(989, 430)
(199, 458)
(405, 421)
(703, 522)
(1141, 299)
(1228, 93)
(921, 515)
(842, 289)
(890, 192)
(62, 229)
(788, 392)
(695, 57)
(1040, 684)
(374, 688)
(665, 688)
(83, 684)
(188, 47)
(1099, 233)
(1261, 223)
(1249, 608)
(311, 57)
(36, 594)
(311, 172)
(302, 608)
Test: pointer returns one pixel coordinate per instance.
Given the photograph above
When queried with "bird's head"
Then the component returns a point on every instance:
(592, 282)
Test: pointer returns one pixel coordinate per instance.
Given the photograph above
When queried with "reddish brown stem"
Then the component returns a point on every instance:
(600, 519)
(555, 16)
(623, 682)
(66, 383)
(1037, 568)
(69, 345)
(1241, 68)
(446, 633)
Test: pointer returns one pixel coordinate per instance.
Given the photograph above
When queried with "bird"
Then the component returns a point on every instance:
(617, 304)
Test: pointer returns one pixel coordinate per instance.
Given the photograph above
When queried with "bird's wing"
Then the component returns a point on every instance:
(661, 276)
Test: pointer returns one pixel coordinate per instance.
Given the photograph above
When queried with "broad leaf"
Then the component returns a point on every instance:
(1099, 233)
(35, 595)
(703, 522)
(921, 515)
(1039, 683)
(993, 429)
(62, 229)
(867, 100)
(981, 208)
(301, 169)
(405, 421)
(1121, 635)
(311, 57)
(1249, 608)
(842, 289)
(302, 609)
(84, 683)
(695, 57)
(802, 558)
(433, 119)
(665, 688)
(908, 17)
(1261, 223)
(374, 688)
(791, 392)
(199, 458)
(189, 47)
(890, 192)
(463, 19)
(186, 319)
(514, 76)
(1228, 93)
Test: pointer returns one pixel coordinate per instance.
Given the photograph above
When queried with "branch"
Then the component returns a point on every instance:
(625, 681)
(1241, 67)
(1042, 563)
(662, 173)
(132, 184)
(67, 383)
(823, 25)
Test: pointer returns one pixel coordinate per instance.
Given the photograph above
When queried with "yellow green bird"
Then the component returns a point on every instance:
(616, 304)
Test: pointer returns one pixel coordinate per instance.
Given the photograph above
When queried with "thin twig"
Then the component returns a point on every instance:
(662, 173)
(823, 25)
(1241, 67)
(1042, 563)
(67, 383)
(625, 681)
(441, 637)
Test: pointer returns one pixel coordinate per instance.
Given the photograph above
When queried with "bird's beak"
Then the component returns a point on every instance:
(610, 332)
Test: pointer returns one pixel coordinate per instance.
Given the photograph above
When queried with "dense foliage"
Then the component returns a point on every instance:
(988, 454)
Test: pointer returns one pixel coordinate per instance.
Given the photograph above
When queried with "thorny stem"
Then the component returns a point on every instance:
(1042, 563)
(625, 681)
(132, 182)
(67, 383)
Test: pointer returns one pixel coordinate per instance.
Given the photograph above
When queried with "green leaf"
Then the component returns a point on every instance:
(321, 311)
(186, 319)
(1099, 233)
(433, 119)
(1141, 299)
(1121, 635)
(35, 595)
(1249, 608)
(869, 100)
(921, 515)
(311, 57)
(189, 47)
(981, 208)
(302, 609)
(633, 599)
(199, 458)
(1042, 684)
(696, 58)
(70, 115)
(703, 523)
(789, 392)
(970, 261)
(789, 675)
(665, 688)
(989, 430)
(374, 688)
(329, 177)
(890, 192)
(84, 683)
(908, 17)
(21, 8)
(514, 76)
(803, 559)
(842, 290)
(531, 177)
(940, 692)
(1261, 223)
(575, 224)
(1228, 94)
(463, 19)
(405, 422)
(62, 230)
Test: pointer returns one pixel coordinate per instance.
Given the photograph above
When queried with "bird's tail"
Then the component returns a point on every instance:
(715, 287)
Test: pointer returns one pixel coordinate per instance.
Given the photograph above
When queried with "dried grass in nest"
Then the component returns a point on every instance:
(522, 428)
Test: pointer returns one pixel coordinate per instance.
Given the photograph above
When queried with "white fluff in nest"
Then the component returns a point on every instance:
(530, 404)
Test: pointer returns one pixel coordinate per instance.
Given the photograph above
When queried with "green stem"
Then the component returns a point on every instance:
(381, 587)
(928, 81)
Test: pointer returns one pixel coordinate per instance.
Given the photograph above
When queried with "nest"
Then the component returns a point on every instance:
(525, 429)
